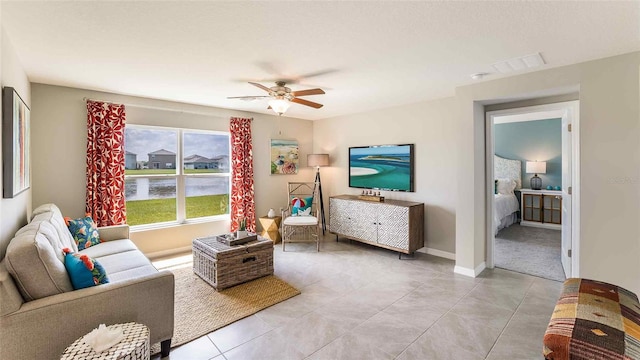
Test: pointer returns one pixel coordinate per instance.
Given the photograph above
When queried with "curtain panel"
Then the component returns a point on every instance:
(105, 163)
(242, 192)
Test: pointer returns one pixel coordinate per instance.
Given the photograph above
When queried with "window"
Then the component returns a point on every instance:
(179, 174)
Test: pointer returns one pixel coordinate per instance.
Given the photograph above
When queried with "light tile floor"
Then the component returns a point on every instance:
(361, 302)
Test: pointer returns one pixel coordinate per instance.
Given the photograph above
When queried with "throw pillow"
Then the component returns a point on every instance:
(306, 212)
(506, 186)
(298, 204)
(84, 231)
(83, 271)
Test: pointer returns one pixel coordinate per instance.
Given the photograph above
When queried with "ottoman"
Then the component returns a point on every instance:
(593, 320)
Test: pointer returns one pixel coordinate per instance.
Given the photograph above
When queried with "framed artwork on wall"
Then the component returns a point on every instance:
(284, 157)
(15, 144)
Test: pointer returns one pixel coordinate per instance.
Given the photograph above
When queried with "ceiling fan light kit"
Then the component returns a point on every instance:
(282, 97)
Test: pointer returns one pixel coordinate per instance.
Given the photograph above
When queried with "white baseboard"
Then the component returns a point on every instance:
(163, 253)
(439, 253)
(469, 272)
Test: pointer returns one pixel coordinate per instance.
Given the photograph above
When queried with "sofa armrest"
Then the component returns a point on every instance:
(114, 232)
(43, 328)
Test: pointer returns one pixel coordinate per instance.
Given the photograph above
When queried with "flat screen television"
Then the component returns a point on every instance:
(382, 167)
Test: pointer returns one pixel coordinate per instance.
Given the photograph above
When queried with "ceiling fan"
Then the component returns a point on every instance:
(282, 97)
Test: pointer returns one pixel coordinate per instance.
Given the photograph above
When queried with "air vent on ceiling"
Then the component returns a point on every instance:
(519, 63)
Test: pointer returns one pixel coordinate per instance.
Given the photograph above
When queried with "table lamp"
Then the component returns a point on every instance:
(536, 167)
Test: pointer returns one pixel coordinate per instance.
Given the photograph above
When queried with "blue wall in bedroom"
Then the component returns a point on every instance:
(539, 140)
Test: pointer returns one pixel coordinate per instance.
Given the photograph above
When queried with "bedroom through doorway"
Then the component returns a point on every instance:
(530, 167)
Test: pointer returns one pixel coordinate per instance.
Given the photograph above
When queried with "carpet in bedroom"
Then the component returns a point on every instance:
(530, 250)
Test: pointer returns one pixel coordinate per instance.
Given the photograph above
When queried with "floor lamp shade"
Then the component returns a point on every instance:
(536, 167)
(318, 160)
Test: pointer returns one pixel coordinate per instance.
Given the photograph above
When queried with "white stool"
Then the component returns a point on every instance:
(134, 345)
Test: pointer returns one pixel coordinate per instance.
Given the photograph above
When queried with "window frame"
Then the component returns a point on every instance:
(181, 176)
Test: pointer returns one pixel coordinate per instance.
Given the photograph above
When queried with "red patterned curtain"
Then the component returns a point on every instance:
(242, 194)
(105, 163)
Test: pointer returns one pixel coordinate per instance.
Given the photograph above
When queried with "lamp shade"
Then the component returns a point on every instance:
(280, 106)
(536, 167)
(318, 160)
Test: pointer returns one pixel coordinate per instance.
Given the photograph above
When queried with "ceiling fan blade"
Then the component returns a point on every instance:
(308, 92)
(247, 97)
(307, 103)
(260, 86)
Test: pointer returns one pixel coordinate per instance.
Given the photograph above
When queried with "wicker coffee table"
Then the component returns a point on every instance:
(223, 266)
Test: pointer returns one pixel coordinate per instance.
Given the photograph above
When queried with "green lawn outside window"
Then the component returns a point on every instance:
(140, 212)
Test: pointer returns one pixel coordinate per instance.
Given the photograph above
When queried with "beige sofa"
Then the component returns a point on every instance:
(41, 314)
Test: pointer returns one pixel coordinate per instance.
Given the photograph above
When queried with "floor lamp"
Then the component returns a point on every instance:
(319, 160)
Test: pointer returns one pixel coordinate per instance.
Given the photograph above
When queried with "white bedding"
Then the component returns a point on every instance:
(504, 208)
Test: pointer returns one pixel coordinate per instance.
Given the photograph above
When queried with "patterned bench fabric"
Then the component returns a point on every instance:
(593, 320)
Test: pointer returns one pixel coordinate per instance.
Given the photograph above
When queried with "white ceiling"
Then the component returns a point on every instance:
(365, 55)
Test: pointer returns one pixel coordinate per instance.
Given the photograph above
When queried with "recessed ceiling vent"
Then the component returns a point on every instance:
(520, 63)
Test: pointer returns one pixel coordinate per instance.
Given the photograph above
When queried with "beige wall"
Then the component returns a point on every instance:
(609, 163)
(431, 126)
(13, 212)
(59, 138)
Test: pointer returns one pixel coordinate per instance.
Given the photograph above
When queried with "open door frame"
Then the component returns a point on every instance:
(547, 111)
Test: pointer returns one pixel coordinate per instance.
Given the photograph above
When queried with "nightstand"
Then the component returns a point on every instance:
(271, 228)
(541, 208)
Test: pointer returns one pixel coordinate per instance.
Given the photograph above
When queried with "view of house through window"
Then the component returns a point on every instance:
(175, 174)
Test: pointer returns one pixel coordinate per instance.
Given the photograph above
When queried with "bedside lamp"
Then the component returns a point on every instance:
(536, 167)
(318, 160)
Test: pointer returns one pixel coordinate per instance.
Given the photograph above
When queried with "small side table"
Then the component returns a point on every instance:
(134, 345)
(271, 228)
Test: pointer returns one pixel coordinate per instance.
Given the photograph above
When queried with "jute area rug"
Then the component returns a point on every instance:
(200, 309)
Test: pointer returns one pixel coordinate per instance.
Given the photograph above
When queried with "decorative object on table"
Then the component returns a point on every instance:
(371, 198)
(102, 338)
(317, 161)
(558, 188)
(15, 144)
(536, 167)
(133, 344)
(233, 239)
(549, 187)
(284, 157)
(271, 228)
(223, 266)
(200, 309)
(242, 229)
(271, 213)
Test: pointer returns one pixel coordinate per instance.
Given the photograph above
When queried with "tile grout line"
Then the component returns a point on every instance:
(511, 318)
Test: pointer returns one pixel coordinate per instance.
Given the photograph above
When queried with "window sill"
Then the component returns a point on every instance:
(172, 224)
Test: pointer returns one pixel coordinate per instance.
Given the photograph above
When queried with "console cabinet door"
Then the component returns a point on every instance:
(363, 221)
(338, 218)
(393, 226)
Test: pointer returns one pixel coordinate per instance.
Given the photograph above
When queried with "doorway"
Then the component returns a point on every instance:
(543, 230)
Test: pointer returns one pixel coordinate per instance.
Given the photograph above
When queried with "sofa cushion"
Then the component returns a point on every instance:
(51, 213)
(110, 248)
(84, 271)
(122, 261)
(35, 261)
(84, 231)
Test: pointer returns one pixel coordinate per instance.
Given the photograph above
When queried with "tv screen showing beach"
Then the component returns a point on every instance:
(381, 167)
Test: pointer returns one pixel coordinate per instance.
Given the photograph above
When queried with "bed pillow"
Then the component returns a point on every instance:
(506, 186)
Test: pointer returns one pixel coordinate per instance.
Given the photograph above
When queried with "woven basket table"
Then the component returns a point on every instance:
(134, 346)
(223, 266)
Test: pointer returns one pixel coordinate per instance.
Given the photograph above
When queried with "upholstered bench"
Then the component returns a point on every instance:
(593, 320)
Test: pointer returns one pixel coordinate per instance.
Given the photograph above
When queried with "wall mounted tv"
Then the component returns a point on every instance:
(382, 167)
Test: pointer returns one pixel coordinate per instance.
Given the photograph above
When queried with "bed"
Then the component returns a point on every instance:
(507, 173)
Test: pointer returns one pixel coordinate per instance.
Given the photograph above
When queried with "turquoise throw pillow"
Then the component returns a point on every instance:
(84, 231)
(83, 271)
(300, 204)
